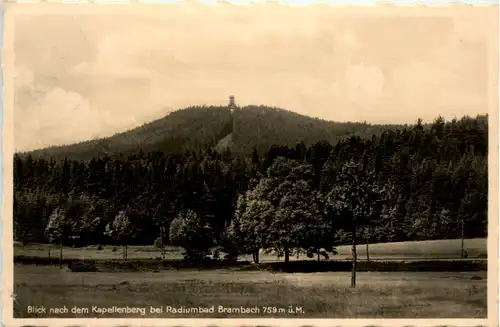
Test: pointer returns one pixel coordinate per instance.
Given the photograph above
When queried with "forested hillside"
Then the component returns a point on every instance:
(189, 129)
(413, 183)
(260, 127)
(199, 128)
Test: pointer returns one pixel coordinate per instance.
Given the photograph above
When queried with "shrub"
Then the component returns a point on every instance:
(82, 266)
(232, 242)
(158, 243)
(324, 254)
(40, 260)
(382, 266)
(195, 235)
(114, 249)
(99, 247)
(216, 254)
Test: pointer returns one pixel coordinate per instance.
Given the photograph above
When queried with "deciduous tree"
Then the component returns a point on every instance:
(122, 230)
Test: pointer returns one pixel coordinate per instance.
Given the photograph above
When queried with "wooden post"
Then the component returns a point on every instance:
(462, 247)
(354, 258)
(367, 252)
(161, 242)
(161, 237)
(367, 241)
(60, 253)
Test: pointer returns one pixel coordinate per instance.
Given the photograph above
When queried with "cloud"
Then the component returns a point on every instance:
(57, 116)
(441, 83)
(117, 75)
(24, 77)
(114, 59)
(61, 117)
(348, 39)
(364, 83)
(416, 77)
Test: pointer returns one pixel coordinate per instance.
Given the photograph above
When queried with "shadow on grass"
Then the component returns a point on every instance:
(306, 266)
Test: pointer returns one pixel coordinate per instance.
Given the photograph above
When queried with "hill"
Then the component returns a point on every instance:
(432, 181)
(261, 127)
(188, 129)
(197, 128)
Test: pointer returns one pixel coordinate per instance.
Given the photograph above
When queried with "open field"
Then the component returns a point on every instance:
(418, 250)
(383, 295)
(91, 252)
(421, 250)
(390, 294)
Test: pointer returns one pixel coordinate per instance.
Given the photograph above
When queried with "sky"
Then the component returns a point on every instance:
(81, 76)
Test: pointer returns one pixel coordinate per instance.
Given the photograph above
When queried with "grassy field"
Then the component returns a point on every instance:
(419, 250)
(422, 250)
(321, 295)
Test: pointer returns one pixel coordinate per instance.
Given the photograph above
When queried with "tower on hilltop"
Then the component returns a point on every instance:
(232, 105)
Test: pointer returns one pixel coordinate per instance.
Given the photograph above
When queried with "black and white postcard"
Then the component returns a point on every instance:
(261, 164)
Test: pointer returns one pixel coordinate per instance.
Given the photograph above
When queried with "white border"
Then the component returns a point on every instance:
(14, 9)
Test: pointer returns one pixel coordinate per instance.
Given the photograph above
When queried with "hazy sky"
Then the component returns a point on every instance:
(80, 76)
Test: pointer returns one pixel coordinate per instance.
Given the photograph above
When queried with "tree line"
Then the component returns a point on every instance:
(413, 183)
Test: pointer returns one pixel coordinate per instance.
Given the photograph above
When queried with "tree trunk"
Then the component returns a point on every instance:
(256, 260)
(354, 258)
(49, 250)
(319, 256)
(287, 255)
(161, 244)
(60, 254)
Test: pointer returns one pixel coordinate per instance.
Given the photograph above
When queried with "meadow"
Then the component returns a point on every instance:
(310, 295)
(419, 250)
(318, 295)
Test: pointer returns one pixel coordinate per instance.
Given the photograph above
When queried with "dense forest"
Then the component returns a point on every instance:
(189, 129)
(198, 128)
(403, 183)
(260, 127)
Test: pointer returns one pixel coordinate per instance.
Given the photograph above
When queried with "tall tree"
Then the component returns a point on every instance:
(58, 228)
(122, 230)
(356, 199)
